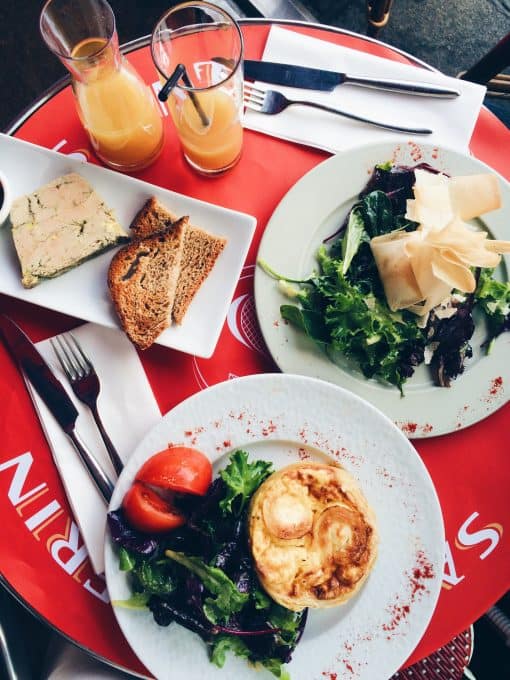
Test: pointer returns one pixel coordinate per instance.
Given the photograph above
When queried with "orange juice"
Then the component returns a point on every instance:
(117, 109)
(215, 146)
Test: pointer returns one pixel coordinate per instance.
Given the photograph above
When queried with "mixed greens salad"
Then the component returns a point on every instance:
(343, 308)
(201, 575)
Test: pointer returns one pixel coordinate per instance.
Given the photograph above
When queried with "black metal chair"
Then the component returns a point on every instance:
(489, 70)
(378, 14)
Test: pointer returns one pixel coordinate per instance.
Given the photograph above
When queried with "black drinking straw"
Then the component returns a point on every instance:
(164, 93)
(196, 103)
(180, 72)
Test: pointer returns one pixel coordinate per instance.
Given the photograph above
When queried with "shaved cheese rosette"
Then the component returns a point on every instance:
(420, 269)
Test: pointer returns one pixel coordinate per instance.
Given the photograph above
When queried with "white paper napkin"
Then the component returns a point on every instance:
(452, 120)
(128, 410)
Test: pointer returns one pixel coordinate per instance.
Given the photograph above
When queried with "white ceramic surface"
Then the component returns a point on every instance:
(83, 292)
(314, 209)
(285, 418)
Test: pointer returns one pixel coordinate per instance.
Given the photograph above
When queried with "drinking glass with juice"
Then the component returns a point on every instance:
(116, 108)
(206, 104)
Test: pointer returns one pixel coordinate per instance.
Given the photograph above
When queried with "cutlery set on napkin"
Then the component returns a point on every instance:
(126, 403)
(362, 85)
(301, 67)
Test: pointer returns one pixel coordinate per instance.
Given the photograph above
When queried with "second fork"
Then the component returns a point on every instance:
(85, 384)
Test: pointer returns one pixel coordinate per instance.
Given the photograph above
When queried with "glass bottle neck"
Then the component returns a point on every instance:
(93, 59)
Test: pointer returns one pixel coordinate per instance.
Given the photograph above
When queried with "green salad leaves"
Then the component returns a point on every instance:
(227, 601)
(202, 576)
(242, 479)
(494, 298)
(342, 306)
(288, 626)
(340, 316)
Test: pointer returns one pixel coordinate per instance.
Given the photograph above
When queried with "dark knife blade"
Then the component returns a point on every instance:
(49, 388)
(307, 78)
(293, 76)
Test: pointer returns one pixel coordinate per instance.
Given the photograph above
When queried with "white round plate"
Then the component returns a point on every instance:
(285, 418)
(313, 210)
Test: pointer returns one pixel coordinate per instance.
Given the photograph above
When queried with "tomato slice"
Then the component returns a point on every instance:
(178, 468)
(148, 512)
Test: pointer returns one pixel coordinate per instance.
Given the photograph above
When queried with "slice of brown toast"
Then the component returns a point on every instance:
(201, 250)
(142, 279)
(152, 217)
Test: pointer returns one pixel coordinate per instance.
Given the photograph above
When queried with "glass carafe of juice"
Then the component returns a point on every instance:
(117, 109)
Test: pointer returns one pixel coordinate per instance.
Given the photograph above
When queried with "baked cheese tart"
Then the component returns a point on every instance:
(313, 535)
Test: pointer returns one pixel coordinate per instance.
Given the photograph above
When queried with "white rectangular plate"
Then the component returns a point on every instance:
(83, 291)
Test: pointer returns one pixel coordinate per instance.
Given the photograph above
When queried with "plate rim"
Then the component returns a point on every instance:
(133, 465)
(411, 429)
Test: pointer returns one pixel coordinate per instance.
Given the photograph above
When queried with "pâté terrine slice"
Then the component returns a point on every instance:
(60, 225)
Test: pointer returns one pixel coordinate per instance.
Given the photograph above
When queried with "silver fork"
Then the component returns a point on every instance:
(272, 102)
(85, 384)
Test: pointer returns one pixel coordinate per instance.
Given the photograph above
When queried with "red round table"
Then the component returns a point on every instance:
(46, 566)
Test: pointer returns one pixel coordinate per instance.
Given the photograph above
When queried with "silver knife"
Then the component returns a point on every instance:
(51, 391)
(326, 81)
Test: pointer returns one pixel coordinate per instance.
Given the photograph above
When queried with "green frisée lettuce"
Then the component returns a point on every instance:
(155, 578)
(225, 643)
(288, 627)
(228, 643)
(227, 601)
(242, 479)
(275, 666)
(340, 317)
(494, 299)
